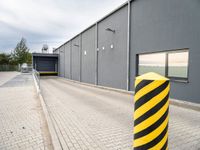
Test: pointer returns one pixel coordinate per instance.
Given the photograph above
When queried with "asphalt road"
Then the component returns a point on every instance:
(90, 118)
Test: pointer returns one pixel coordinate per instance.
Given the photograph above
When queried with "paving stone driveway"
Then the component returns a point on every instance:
(22, 125)
(90, 118)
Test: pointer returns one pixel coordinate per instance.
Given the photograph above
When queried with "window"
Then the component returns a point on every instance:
(178, 64)
(152, 63)
(172, 64)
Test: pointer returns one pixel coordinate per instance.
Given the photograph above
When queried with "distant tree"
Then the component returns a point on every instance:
(21, 53)
(5, 58)
(29, 58)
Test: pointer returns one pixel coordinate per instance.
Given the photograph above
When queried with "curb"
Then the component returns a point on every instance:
(175, 102)
(185, 104)
(100, 87)
(53, 136)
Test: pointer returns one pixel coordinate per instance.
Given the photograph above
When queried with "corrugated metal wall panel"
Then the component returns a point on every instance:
(88, 56)
(112, 62)
(62, 61)
(67, 60)
(76, 59)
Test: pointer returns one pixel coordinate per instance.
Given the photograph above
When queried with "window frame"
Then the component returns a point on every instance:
(167, 52)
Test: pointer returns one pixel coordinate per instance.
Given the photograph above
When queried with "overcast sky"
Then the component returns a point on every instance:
(50, 22)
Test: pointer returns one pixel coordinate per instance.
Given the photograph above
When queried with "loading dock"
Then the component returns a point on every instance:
(45, 64)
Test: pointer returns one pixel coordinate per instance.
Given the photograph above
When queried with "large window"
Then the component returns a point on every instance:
(152, 63)
(172, 64)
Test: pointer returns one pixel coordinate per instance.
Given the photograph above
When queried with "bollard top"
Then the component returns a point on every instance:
(151, 76)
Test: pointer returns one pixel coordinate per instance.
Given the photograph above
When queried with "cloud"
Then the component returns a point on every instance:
(48, 21)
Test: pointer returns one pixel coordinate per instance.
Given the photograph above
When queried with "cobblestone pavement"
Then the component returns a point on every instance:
(6, 76)
(22, 124)
(89, 118)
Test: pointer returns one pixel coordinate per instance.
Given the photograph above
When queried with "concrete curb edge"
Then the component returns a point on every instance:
(54, 139)
(101, 87)
(175, 102)
(185, 104)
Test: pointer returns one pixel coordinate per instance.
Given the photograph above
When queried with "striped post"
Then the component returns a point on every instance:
(151, 113)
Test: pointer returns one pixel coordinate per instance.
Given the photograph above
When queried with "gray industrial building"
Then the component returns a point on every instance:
(162, 36)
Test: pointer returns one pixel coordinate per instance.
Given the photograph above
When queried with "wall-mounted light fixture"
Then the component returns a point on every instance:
(111, 30)
(85, 53)
(76, 45)
(111, 46)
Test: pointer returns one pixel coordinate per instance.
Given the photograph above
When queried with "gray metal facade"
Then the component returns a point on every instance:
(158, 25)
(155, 25)
(88, 56)
(112, 61)
(75, 62)
(67, 60)
(62, 61)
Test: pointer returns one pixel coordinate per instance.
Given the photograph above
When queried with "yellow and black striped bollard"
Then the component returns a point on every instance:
(151, 113)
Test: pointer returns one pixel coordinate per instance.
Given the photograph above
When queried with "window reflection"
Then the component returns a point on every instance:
(152, 63)
(178, 64)
(172, 64)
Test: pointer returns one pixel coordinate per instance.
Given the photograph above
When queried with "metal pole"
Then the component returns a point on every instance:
(128, 46)
(71, 60)
(80, 50)
(59, 62)
(96, 54)
(64, 57)
(39, 80)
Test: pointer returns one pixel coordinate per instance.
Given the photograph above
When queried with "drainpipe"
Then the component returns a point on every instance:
(80, 50)
(96, 54)
(71, 60)
(64, 58)
(128, 46)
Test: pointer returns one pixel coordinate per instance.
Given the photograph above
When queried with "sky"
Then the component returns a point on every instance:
(50, 22)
